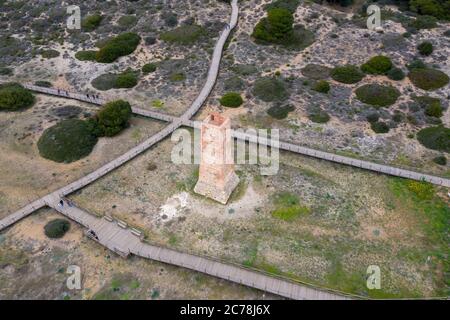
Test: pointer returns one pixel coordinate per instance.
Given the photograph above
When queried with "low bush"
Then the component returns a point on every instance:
(276, 28)
(44, 84)
(5, 71)
(379, 127)
(373, 117)
(436, 138)
(377, 65)
(319, 116)
(428, 79)
(322, 86)
(127, 21)
(396, 74)
(270, 89)
(347, 74)
(280, 112)
(416, 64)
(121, 45)
(432, 106)
(67, 141)
(15, 97)
(377, 95)
(425, 48)
(316, 71)
(423, 22)
(91, 22)
(49, 54)
(86, 55)
(234, 83)
(177, 76)
(184, 35)
(231, 100)
(114, 117)
(440, 160)
(149, 68)
(56, 228)
(126, 79)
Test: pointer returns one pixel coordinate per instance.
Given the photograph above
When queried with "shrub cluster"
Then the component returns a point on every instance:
(377, 65)
(347, 74)
(67, 141)
(270, 89)
(322, 86)
(280, 112)
(231, 100)
(377, 95)
(436, 138)
(113, 117)
(15, 97)
(119, 46)
(428, 79)
(276, 28)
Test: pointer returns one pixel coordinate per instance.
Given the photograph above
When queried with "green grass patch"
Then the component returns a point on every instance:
(288, 207)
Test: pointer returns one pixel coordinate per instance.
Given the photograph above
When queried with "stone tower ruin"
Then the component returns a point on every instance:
(217, 178)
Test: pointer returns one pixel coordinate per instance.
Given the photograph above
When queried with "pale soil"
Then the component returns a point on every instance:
(352, 222)
(38, 269)
(27, 176)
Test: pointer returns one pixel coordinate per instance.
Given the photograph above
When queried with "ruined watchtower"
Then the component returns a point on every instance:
(217, 178)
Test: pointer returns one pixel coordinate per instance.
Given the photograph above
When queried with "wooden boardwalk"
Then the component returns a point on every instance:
(122, 241)
(286, 146)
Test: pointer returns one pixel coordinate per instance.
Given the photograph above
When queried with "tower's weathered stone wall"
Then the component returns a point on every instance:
(217, 178)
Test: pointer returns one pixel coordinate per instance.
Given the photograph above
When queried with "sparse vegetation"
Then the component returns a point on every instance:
(183, 35)
(280, 112)
(270, 89)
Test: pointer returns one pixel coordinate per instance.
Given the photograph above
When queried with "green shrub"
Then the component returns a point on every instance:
(231, 100)
(425, 48)
(416, 64)
(436, 138)
(149, 68)
(49, 54)
(347, 74)
(270, 89)
(322, 86)
(423, 22)
(377, 95)
(396, 74)
(428, 79)
(290, 5)
(379, 127)
(86, 55)
(316, 71)
(433, 108)
(435, 8)
(44, 84)
(56, 228)
(90, 23)
(127, 21)
(14, 97)
(127, 79)
(5, 71)
(440, 160)
(373, 117)
(276, 28)
(280, 112)
(184, 35)
(377, 65)
(121, 45)
(114, 117)
(67, 141)
(177, 76)
(319, 116)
